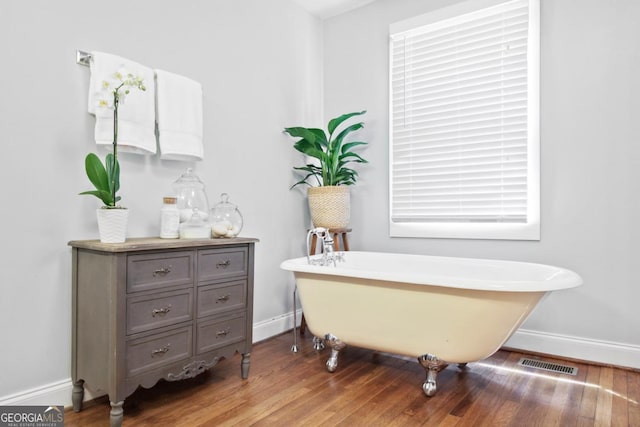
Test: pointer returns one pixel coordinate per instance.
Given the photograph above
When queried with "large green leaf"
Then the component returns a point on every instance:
(101, 178)
(96, 172)
(346, 131)
(336, 147)
(309, 168)
(301, 132)
(308, 148)
(113, 177)
(356, 158)
(334, 123)
(349, 145)
(321, 137)
(313, 171)
(105, 196)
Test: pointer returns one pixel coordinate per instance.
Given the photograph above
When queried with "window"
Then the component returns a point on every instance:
(464, 122)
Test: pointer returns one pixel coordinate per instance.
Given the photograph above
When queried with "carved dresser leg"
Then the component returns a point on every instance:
(336, 345)
(116, 414)
(432, 366)
(77, 395)
(244, 365)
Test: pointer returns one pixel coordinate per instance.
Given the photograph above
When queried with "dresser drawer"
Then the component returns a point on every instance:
(148, 312)
(216, 264)
(216, 333)
(221, 297)
(153, 351)
(158, 270)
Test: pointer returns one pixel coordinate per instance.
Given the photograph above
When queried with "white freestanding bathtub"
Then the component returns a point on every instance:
(439, 309)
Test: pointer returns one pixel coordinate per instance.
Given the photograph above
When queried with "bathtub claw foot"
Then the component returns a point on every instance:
(432, 366)
(318, 344)
(429, 387)
(336, 345)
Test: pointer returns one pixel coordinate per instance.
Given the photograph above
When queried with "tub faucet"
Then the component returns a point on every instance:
(328, 255)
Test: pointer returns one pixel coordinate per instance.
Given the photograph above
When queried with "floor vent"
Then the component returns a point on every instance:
(547, 366)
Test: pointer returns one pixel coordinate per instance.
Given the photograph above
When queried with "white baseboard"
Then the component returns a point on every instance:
(59, 392)
(275, 326)
(53, 393)
(609, 353)
(565, 346)
(56, 393)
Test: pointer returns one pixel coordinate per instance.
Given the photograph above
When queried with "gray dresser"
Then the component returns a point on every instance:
(151, 309)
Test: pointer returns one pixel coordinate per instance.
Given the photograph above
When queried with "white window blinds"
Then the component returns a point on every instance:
(460, 118)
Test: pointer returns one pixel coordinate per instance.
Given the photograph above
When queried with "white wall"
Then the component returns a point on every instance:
(590, 133)
(259, 66)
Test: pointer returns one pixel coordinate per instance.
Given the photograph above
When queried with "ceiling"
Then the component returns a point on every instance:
(328, 8)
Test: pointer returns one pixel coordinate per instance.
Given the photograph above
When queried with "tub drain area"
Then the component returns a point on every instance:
(547, 366)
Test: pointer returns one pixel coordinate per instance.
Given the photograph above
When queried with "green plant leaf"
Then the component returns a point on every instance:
(349, 145)
(105, 196)
(308, 168)
(356, 159)
(100, 178)
(313, 171)
(96, 172)
(346, 131)
(115, 180)
(335, 149)
(321, 137)
(334, 123)
(301, 132)
(347, 176)
(308, 148)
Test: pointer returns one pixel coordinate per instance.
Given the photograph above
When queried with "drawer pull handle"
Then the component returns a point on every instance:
(163, 310)
(225, 264)
(160, 351)
(162, 271)
(223, 298)
(223, 333)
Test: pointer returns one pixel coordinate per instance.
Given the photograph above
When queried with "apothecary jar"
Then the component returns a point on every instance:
(189, 191)
(225, 218)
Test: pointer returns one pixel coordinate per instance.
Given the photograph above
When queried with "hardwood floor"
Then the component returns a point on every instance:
(372, 389)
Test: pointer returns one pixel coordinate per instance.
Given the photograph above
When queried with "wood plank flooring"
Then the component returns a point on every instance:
(373, 389)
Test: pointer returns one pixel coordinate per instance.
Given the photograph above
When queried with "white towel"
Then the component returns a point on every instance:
(179, 113)
(136, 115)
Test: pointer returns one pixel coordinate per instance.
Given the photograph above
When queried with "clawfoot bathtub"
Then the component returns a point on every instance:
(440, 310)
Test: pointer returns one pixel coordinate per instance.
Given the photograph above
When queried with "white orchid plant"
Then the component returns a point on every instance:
(106, 177)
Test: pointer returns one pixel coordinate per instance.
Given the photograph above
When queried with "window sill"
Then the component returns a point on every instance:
(494, 231)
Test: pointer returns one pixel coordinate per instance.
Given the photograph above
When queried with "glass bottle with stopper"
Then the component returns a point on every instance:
(225, 218)
(191, 197)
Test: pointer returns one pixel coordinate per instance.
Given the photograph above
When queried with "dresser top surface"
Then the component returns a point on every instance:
(153, 243)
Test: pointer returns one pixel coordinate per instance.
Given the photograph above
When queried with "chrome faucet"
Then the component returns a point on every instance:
(328, 254)
(327, 249)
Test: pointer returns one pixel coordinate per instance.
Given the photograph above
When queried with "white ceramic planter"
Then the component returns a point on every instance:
(112, 225)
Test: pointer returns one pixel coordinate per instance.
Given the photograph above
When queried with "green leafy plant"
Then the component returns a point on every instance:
(106, 177)
(331, 150)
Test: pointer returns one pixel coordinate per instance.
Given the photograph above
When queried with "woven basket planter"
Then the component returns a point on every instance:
(330, 206)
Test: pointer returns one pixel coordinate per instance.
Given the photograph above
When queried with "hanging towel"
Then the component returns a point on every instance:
(179, 114)
(136, 115)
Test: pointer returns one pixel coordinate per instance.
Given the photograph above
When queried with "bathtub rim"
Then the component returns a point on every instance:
(561, 278)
